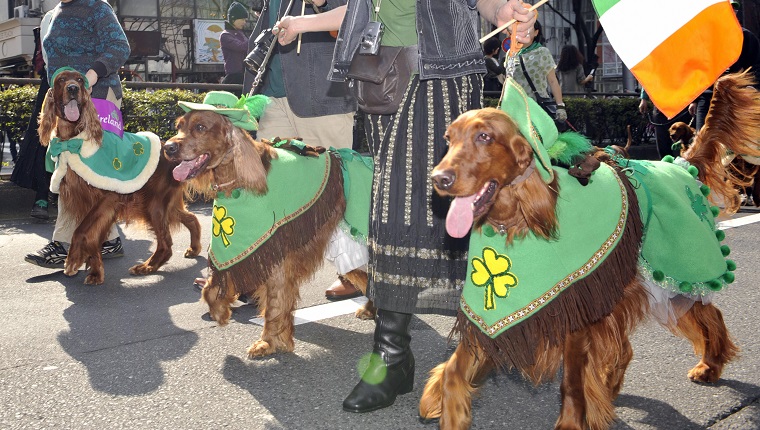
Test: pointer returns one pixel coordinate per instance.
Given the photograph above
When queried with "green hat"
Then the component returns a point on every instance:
(236, 11)
(227, 104)
(59, 70)
(534, 124)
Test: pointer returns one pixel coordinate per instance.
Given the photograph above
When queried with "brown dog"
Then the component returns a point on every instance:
(489, 159)
(219, 158)
(683, 133)
(69, 113)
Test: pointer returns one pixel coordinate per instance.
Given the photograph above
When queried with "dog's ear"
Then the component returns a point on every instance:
(247, 159)
(521, 150)
(47, 119)
(90, 121)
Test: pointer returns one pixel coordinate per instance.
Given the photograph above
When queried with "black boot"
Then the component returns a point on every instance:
(391, 366)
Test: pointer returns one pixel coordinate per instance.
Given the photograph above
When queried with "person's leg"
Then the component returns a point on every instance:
(390, 371)
(327, 131)
(661, 134)
(53, 255)
(703, 105)
(276, 122)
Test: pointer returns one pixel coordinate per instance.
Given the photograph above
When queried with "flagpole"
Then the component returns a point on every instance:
(503, 27)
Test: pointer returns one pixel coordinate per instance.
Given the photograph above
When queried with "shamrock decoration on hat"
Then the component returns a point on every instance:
(241, 112)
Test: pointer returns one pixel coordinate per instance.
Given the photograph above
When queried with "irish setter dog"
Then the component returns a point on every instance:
(682, 132)
(221, 158)
(159, 204)
(491, 165)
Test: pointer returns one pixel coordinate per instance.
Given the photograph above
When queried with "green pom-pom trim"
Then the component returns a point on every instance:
(715, 285)
(729, 277)
(693, 171)
(730, 265)
(720, 234)
(725, 250)
(668, 159)
(686, 287)
(715, 210)
(658, 275)
(705, 190)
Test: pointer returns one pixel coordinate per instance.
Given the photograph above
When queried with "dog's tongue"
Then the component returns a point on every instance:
(184, 168)
(459, 219)
(71, 111)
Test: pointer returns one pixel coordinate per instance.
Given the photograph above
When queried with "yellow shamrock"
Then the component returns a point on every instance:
(116, 164)
(492, 273)
(222, 225)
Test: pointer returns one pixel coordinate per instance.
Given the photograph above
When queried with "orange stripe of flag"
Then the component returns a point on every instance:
(691, 59)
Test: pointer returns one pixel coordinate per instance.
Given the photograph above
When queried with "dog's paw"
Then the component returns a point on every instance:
(260, 348)
(190, 253)
(94, 279)
(704, 374)
(142, 269)
(365, 314)
(69, 271)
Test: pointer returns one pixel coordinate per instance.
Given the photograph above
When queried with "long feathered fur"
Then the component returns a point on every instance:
(274, 272)
(159, 204)
(732, 123)
(586, 328)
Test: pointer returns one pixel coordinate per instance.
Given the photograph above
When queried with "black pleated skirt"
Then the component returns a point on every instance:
(415, 267)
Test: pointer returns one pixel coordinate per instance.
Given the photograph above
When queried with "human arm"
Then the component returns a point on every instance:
(499, 12)
(551, 77)
(289, 27)
(644, 103)
(112, 47)
(494, 67)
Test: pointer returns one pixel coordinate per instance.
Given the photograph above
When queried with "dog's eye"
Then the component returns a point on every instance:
(200, 127)
(483, 138)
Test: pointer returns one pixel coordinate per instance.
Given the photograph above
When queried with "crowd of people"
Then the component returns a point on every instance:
(414, 267)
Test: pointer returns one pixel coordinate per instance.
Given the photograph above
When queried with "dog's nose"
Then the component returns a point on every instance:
(72, 88)
(171, 148)
(444, 179)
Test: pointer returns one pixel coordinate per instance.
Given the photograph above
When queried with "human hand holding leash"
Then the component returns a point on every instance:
(92, 79)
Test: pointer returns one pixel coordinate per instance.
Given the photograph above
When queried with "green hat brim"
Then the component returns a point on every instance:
(239, 117)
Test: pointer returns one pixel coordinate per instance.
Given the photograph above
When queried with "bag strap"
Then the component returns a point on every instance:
(527, 76)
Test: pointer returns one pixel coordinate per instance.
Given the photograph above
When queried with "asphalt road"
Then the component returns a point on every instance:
(142, 353)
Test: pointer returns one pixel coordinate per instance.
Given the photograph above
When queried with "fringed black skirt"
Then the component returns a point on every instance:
(415, 267)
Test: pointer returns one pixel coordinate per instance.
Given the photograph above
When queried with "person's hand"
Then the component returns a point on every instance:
(517, 10)
(692, 108)
(318, 3)
(92, 79)
(643, 107)
(286, 30)
(561, 114)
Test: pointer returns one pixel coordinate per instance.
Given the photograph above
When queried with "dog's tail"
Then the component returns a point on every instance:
(732, 126)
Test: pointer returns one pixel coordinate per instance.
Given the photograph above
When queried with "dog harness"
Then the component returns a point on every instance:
(120, 164)
(244, 221)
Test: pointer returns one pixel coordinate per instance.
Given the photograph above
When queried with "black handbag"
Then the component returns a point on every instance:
(380, 81)
(547, 103)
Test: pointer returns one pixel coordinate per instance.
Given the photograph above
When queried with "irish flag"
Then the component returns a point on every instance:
(675, 48)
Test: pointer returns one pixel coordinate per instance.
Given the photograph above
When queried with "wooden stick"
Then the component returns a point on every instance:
(300, 35)
(503, 27)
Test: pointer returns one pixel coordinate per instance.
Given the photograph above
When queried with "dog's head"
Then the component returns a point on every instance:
(211, 150)
(681, 131)
(490, 173)
(68, 109)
